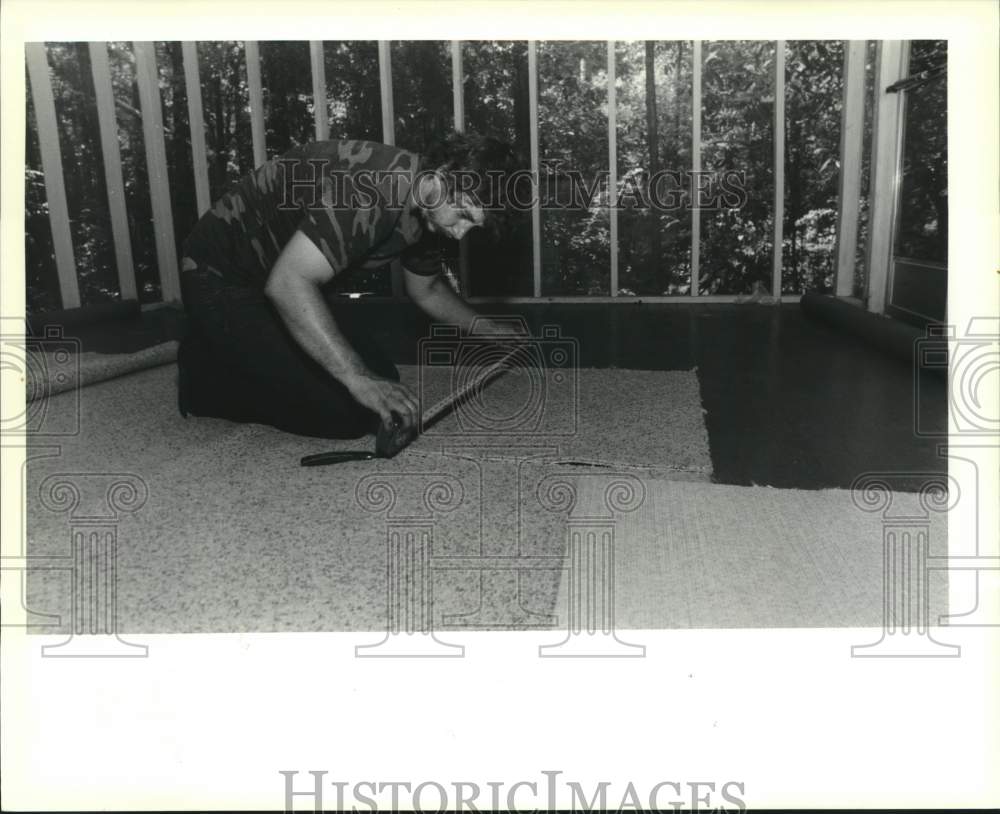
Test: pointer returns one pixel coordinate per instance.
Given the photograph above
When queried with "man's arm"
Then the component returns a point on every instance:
(435, 297)
(294, 288)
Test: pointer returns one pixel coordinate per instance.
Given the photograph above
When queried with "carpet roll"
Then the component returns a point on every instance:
(49, 376)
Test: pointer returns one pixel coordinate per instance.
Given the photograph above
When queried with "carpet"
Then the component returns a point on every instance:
(220, 530)
(717, 556)
(650, 421)
(53, 370)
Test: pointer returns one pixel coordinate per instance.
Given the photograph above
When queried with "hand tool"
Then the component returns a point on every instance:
(393, 437)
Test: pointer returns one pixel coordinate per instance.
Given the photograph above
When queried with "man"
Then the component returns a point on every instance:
(264, 346)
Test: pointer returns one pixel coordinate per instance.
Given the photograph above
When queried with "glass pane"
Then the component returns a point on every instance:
(353, 94)
(225, 102)
(286, 78)
(654, 136)
(83, 171)
(177, 139)
(41, 281)
(814, 94)
(134, 172)
(422, 98)
(573, 137)
(496, 104)
(925, 54)
(922, 229)
(737, 137)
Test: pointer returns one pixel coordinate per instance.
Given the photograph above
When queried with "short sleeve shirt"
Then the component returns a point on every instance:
(352, 199)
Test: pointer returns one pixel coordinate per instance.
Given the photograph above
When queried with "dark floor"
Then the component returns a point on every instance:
(113, 330)
(789, 401)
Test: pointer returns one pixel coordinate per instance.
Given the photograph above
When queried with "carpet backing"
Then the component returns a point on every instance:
(712, 555)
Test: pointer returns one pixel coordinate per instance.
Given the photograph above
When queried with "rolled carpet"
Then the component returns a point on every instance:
(55, 371)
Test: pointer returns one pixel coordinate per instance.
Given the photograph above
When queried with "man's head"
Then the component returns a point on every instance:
(463, 183)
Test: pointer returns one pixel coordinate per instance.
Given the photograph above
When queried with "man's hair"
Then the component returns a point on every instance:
(487, 162)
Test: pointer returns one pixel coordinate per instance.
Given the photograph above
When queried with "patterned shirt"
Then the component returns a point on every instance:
(352, 199)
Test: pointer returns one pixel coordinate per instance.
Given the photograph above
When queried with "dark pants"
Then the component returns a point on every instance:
(239, 362)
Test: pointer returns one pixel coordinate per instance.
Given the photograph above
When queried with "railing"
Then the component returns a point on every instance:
(145, 58)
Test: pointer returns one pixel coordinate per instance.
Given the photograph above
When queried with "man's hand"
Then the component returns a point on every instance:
(294, 288)
(384, 397)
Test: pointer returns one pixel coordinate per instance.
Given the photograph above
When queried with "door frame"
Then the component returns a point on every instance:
(892, 65)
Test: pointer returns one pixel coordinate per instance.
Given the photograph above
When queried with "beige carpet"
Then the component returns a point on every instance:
(233, 535)
(711, 555)
(51, 372)
(640, 420)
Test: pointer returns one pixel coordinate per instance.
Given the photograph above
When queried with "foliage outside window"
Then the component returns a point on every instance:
(654, 86)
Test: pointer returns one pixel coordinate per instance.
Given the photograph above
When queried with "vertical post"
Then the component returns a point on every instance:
(192, 82)
(389, 137)
(256, 90)
(695, 165)
(320, 107)
(457, 93)
(536, 205)
(156, 164)
(886, 135)
(458, 100)
(111, 153)
(779, 168)
(852, 127)
(385, 86)
(55, 186)
(613, 165)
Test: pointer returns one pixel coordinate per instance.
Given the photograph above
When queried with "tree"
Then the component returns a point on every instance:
(654, 81)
